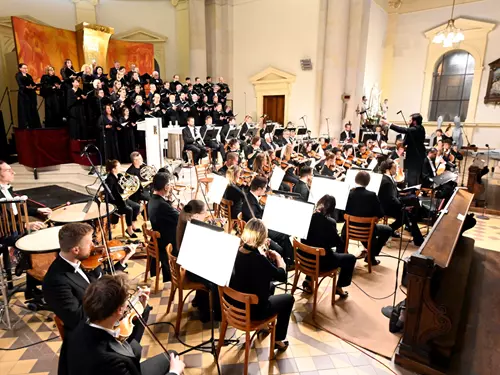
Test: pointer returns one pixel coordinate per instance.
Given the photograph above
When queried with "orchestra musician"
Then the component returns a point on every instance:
(364, 203)
(253, 150)
(94, 348)
(232, 158)
(164, 219)
(233, 145)
(347, 136)
(6, 191)
(197, 210)
(135, 170)
(252, 208)
(429, 170)
(212, 142)
(253, 259)
(267, 143)
(244, 127)
(261, 165)
(126, 206)
(323, 233)
(193, 141)
(404, 208)
(415, 149)
(450, 153)
(398, 152)
(233, 191)
(330, 168)
(304, 182)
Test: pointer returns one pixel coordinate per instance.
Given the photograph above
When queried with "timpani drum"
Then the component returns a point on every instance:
(42, 247)
(74, 213)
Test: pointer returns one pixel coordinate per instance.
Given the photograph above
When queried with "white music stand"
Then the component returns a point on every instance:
(208, 253)
(276, 178)
(322, 186)
(217, 188)
(375, 180)
(155, 138)
(288, 216)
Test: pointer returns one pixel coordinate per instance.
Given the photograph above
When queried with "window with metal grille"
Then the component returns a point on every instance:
(451, 86)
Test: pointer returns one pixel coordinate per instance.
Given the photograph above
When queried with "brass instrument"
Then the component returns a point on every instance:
(129, 184)
(147, 172)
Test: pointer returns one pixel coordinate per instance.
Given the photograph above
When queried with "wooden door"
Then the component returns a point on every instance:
(274, 108)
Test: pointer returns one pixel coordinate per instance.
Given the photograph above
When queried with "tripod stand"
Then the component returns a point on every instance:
(483, 215)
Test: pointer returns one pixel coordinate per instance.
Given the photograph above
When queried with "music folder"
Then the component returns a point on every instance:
(252, 132)
(233, 133)
(269, 128)
(301, 131)
(211, 134)
(324, 185)
(209, 252)
(288, 216)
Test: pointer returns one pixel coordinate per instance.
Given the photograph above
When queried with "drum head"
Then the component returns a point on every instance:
(74, 213)
(44, 240)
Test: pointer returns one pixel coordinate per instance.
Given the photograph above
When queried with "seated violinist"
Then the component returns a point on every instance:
(347, 136)
(231, 159)
(330, 168)
(233, 145)
(233, 191)
(267, 143)
(252, 259)
(95, 348)
(405, 209)
(450, 153)
(323, 233)
(302, 186)
(324, 144)
(261, 165)
(252, 150)
(398, 152)
(253, 209)
(381, 136)
(66, 280)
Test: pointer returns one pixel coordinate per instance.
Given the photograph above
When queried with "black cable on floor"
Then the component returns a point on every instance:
(29, 345)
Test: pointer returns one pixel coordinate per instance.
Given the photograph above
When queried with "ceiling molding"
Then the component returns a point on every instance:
(141, 35)
(410, 6)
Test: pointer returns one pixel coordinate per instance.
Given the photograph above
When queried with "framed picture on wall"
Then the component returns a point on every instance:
(229, 102)
(493, 90)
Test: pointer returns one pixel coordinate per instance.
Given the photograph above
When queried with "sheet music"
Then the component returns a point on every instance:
(208, 253)
(288, 216)
(277, 178)
(322, 186)
(375, 180)
(217, 188)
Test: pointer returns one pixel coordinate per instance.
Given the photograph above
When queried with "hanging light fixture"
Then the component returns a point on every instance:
(451, 35)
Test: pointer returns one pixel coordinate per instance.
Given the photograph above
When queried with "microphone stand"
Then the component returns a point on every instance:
(328, 128)
(107, 193)
(466, 155)
(394, 315)
(483, 215)
(303, 119)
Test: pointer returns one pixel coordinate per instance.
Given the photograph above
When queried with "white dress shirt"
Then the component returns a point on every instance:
(76, 265)
(5, 190)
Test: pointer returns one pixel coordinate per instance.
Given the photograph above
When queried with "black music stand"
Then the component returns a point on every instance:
(252, 132)
(233, 133)
(270, 128)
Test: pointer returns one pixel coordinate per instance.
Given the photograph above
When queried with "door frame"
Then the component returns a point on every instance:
(272, 81)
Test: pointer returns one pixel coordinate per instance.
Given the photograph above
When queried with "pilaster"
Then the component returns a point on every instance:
(85, 11)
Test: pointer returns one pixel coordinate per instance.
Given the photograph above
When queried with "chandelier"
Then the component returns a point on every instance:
(451, 35)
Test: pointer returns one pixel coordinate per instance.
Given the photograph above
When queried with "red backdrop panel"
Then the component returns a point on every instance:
(39, 46)
(127, 53)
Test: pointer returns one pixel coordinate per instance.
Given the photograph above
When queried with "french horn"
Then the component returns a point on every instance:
(147, 172)
(129, 183)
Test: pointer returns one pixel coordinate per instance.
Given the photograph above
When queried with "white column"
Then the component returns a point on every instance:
(197, 39)
(356, 56)
(333, 65)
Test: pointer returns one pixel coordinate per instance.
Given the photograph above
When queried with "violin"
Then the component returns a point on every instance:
(343, 163)
(117, 251)
(314, 154)
(134, 308)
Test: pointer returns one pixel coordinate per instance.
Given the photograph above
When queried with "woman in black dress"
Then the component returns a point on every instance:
(254, 270)
(323, 233)
(126, 137)
(108, 128)
(51, 92)
(26, 100)
(102, 77)
(233, 191)
(76, 115)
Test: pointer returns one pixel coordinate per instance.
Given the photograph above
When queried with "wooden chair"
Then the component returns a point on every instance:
(240, 224)
(239, 318)
(310, 266)
(289, 184)
(59, 325)
(202, 178)
(190, 158)
(360, 229)
(224, 212)
(152, 251)
(181, 283)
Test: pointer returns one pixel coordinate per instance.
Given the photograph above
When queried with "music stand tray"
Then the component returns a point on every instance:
(233, 133)
(211, 134)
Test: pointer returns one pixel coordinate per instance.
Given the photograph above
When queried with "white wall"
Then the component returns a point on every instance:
(377, 28)
(411, 54)
(57, 13)
(276, 33)
(156, 16)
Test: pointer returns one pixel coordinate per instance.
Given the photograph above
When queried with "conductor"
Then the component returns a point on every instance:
(415, 149)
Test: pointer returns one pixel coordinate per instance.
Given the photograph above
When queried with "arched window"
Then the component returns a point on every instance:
(451, 86)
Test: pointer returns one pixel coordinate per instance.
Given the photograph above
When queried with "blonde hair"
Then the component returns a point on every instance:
(287, 152)
(232, 173)
(255, 233)
(48, 67)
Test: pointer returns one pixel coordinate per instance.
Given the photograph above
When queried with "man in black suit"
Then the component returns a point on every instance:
(364, 203)
(347, 135)
(192, 141)
(302, 185)
(212, 142)
(405, 209)
(135, 170)
(252, 208)
(244, 127)
(267, 143)
(94, 347)
(163, 218)
(415, 149)
(174, 83)
(231, 159)
(429, 169)
(6, 191)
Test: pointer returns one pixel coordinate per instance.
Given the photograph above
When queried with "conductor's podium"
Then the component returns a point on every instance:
(437, 281)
